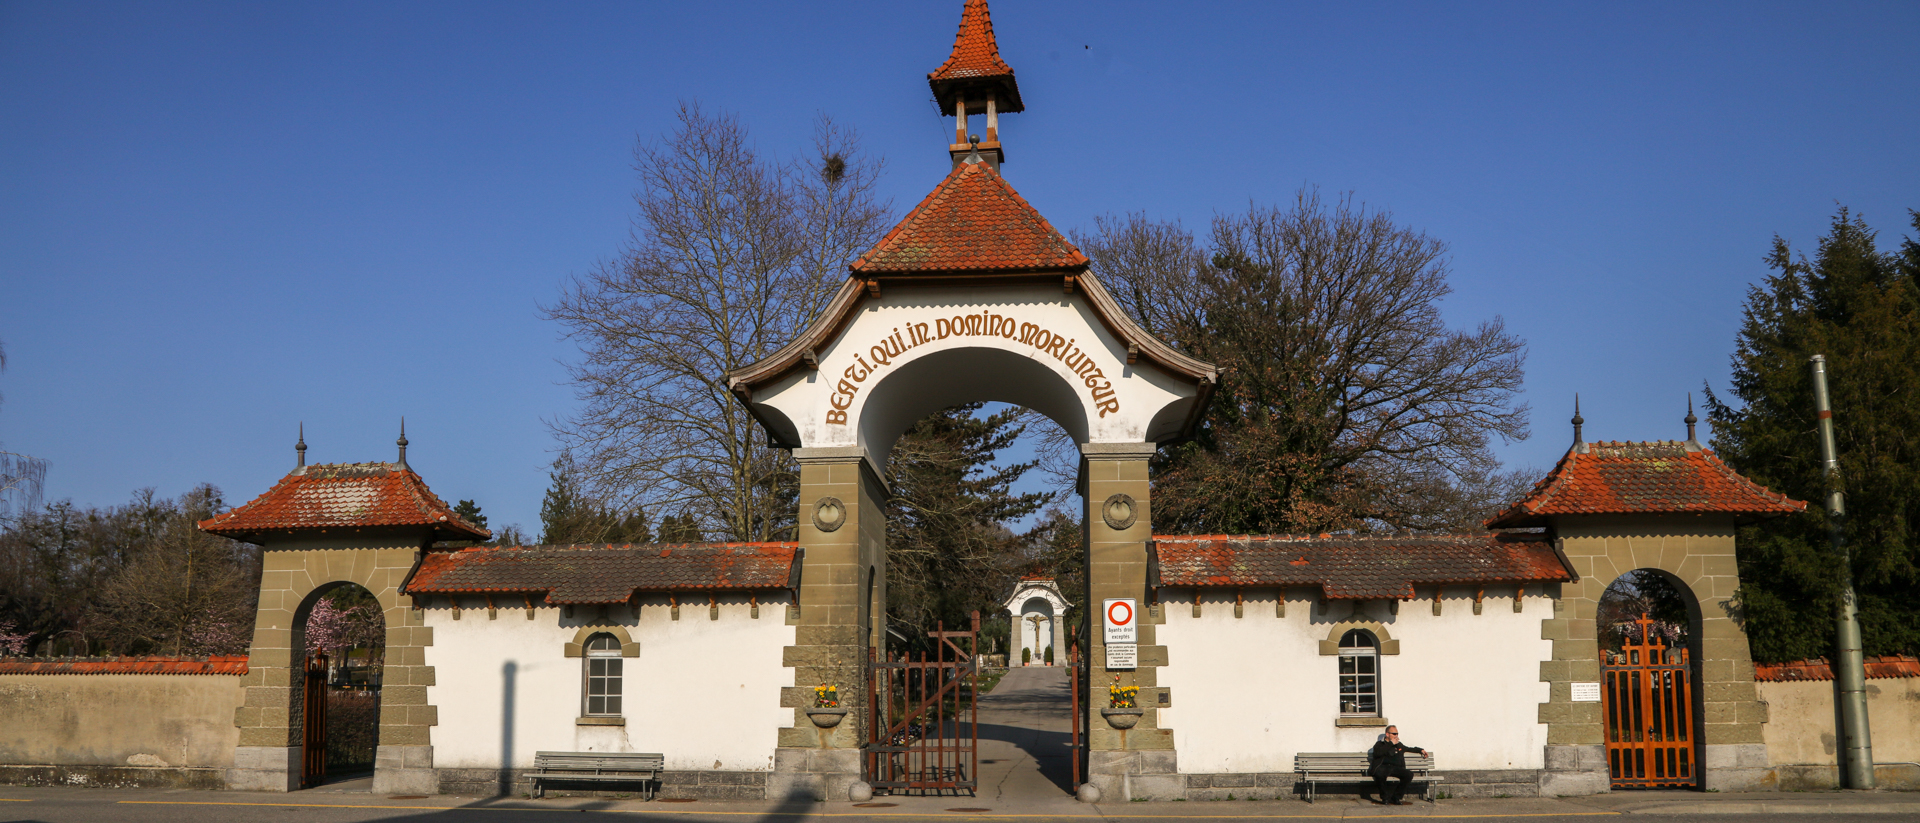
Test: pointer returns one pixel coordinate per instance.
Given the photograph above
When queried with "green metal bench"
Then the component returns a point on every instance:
(597, 766)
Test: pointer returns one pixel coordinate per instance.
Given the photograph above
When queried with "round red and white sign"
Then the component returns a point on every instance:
(1119, 613)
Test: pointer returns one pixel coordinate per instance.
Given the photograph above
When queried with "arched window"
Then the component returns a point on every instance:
(1359, 674)
(603, 675)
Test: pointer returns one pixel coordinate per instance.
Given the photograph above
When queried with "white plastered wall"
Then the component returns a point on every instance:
(1251, 692)
(706, 693)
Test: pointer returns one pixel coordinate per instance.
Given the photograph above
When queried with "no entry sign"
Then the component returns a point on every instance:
(1120, 622)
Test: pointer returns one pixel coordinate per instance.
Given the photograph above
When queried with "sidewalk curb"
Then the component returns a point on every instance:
(1772, 807)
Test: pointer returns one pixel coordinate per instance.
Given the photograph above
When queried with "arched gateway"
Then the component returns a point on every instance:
(973, 297)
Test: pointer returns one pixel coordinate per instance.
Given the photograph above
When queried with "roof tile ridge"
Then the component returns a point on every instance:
(911, 220)
(1076, 256)
(235, 511)
(1543, 489)
(1781, 499)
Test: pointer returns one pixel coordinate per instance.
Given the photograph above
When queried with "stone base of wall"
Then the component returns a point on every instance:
(1281, 785)
(115, 777)
(1137, 775)
(264, 769)
(1575, 771)
(701, 785)
(1240, 786)
(404, 770)
(813, 774)
(1812, 777)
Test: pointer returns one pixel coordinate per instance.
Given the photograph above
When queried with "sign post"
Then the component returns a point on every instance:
(1122, 635)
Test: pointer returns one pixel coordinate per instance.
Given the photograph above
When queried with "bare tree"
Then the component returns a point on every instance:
(1348, 402)
(729, 257)
(22, 477)
(181, 590)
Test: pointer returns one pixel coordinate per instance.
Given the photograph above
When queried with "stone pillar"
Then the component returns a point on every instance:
(271, 717)
(1698, 553)
(1138, 763)
(842, 605)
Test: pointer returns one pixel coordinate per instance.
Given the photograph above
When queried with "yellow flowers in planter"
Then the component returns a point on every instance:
(826, 696)
(1121, 697)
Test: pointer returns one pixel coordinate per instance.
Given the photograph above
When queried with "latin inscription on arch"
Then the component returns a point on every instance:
(982, 324)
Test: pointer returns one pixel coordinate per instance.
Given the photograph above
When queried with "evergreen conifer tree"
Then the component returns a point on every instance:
(1860, 307)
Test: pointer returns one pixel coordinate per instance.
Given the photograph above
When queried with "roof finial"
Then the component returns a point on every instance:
(974, 80)
(1579, 441)
(300, 448)
(1691, 420)
(402, 442)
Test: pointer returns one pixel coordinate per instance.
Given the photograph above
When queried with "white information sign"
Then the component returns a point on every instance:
(1586, 692)
(1120, 623)
(1123, 656)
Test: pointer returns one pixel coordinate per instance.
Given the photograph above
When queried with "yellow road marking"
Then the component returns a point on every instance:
(777, 813)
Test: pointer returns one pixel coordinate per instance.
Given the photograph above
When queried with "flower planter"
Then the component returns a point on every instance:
(826, 718)
(1122, 718)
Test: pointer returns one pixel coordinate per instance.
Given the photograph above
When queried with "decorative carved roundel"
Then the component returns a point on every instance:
(1119, 511)
(829, 514)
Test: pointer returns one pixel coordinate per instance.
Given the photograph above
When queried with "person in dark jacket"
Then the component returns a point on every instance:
(1389, 759)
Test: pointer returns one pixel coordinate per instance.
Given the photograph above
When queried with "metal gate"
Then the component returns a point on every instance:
(923, 713)
(313, 753)
(1074, 666)
(1648, 698)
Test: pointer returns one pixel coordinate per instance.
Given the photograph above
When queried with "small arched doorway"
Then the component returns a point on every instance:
(1647, 626)
(342, 634)
(1037, 609)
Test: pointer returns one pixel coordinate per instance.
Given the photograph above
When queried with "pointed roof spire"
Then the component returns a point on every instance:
(975, 66)
(402, 442)
(1692, 441)
(974, 80)
(300, 448)
(1579, 441)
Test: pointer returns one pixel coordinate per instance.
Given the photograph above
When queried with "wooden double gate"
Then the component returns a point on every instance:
(313, 750)
(923, 716)
(1647, 692)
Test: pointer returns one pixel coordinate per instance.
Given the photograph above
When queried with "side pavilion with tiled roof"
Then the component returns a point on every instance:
(321, 527)
(463, 668)
(1473, 644)
(1670, 507)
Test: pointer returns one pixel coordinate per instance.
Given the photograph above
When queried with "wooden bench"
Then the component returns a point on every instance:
(597, 766)
(1351, 767)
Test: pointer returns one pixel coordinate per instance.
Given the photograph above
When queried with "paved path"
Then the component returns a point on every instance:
(1024, 732)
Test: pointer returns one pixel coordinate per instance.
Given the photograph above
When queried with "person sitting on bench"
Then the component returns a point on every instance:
(1389, 759)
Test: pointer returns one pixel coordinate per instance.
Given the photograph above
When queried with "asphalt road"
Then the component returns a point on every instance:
(1024, 767)
(82, 805)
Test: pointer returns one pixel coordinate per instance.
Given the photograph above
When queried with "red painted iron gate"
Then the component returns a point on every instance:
(923, 716)
(1647, 692)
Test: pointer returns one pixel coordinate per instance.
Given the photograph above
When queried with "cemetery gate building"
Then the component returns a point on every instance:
(1249, 649)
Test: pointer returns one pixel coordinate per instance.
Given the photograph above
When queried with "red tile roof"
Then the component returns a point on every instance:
(1659, 477)
(345, 495)
(972, 222)
(1898, 665)
(975, 64)
(1353, 567)
(608, 573)
(233, 664)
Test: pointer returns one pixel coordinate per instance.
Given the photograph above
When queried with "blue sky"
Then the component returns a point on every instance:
(218, 220)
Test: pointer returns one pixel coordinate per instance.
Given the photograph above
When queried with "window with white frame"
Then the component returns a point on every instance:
(1359, 674)
(603, 675)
